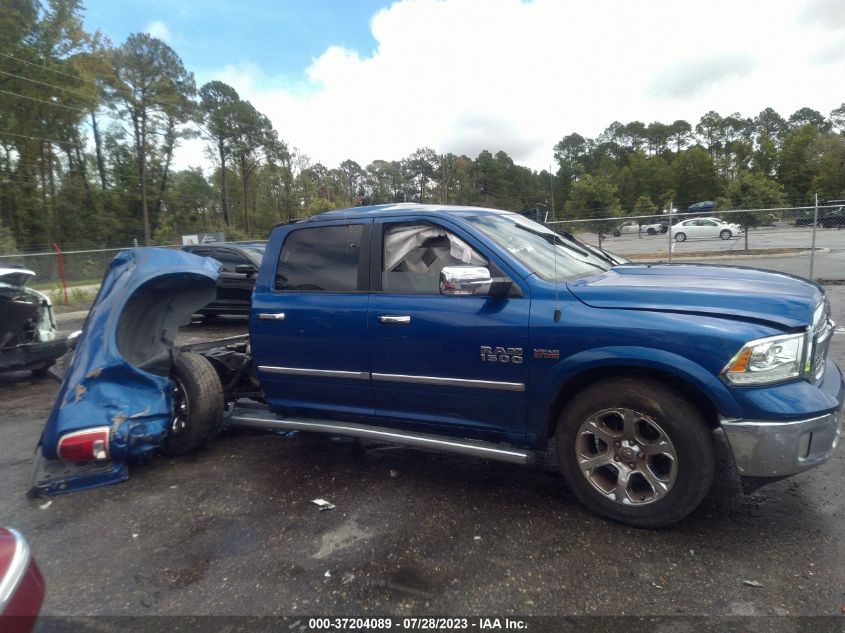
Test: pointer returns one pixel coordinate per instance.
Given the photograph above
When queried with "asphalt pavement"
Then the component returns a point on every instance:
(232, 530)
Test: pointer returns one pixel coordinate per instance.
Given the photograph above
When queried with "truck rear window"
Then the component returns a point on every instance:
(322, 258)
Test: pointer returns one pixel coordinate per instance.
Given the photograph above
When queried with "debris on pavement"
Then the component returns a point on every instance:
(752, 583)
(328, 574)
(394, 474)
(45, 505)
(323, 504)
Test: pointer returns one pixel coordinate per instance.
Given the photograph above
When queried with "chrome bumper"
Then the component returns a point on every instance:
(763, 448)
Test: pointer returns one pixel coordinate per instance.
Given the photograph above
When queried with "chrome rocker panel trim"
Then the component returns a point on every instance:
(265, 420)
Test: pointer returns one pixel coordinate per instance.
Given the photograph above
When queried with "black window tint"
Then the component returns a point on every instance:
(321, 258)
(230, 260)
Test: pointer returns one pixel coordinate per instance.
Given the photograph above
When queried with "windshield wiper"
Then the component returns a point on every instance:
(598, 252)
(555, 239)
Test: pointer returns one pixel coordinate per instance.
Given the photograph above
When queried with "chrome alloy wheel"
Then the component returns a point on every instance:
(626, 456)
(179, 417)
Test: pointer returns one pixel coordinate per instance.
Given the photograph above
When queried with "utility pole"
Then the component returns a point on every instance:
(669, 232)
(552, 191)
(813, 247)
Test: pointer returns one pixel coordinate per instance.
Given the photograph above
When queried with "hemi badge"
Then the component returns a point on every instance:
(546, 353)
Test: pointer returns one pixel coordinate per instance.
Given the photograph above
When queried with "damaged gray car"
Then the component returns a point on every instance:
(28, 336)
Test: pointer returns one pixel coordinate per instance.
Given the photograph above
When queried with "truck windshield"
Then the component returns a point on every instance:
(539, 249)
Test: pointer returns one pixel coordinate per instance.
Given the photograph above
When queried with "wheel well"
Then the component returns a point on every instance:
(571, 388)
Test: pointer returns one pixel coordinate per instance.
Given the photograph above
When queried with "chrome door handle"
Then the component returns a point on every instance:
(271, 316)
(395, 320)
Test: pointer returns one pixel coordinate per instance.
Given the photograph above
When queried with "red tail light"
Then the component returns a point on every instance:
(87, 445)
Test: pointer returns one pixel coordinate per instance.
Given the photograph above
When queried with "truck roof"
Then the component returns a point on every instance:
(403, 208)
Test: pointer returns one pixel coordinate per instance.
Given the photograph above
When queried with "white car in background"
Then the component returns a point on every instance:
(635, 229)
(704, 228)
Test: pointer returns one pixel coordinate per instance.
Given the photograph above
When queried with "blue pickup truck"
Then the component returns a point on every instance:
(467, 330)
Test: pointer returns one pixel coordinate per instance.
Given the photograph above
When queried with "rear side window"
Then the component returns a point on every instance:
(322, 258)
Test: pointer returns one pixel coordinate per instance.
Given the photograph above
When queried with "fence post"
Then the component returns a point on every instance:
(669, 231)
(61, 259)
(813, 246)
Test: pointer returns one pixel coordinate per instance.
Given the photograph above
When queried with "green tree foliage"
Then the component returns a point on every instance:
(7, 241)
(829, 180)
(150, 87)
(595, 197)
(218, 113)
(798, 162)
(644, 207)
(752, 190)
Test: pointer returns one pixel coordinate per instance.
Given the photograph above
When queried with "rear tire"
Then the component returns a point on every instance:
(651, 232)
(680, 237)
(658, 447)
(197, 405)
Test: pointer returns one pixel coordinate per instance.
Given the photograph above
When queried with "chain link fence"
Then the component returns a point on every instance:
(81, 269)
(802, 241)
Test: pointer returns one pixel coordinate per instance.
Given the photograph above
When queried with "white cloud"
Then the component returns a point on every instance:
(691, 77)
(467, 75)
(159, 29)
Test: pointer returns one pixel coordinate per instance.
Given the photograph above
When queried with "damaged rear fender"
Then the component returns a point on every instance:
(119, 374)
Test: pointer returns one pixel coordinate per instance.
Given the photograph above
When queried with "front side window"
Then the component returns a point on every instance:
(323, 258)
(414, 255)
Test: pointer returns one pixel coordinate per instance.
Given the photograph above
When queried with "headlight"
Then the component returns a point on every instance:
(767, 360)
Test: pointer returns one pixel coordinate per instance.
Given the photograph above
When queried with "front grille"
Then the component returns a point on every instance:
(822, 331)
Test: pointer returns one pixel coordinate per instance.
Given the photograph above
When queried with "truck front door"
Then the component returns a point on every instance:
(448, 361)
(308, 322)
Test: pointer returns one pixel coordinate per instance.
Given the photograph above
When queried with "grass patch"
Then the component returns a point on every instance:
(53, 285)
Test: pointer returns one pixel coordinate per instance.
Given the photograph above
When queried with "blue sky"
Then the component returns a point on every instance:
(281, 37)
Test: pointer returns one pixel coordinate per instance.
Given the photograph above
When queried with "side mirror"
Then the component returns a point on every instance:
(246, 269)
(463, 280)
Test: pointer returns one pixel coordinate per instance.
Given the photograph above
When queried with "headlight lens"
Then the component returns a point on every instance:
(767, 360)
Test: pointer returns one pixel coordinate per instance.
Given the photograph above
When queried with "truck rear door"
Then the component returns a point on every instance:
(308, 322)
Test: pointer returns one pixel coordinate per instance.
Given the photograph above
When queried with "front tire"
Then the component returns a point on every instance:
(725, 234)
(651, 232)
(197, 405)
(680, 237)
(635, 451)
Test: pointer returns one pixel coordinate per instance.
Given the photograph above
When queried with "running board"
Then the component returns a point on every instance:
(266, 420)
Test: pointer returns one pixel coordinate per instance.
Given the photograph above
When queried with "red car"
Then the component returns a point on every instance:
(21, 584)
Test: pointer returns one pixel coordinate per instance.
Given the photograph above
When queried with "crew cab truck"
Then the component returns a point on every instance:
(468, 330)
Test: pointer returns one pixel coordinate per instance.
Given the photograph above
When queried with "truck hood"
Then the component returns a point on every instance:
(748, 293)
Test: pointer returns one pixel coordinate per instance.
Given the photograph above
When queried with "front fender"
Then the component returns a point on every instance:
(568, 369)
